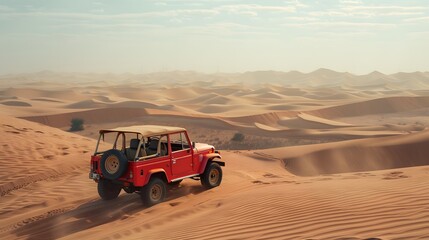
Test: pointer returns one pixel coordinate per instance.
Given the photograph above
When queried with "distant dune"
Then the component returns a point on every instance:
(376, 106)
(87, 104)
(16, 103)
(46, 100)
(89, 116)
(41, 93)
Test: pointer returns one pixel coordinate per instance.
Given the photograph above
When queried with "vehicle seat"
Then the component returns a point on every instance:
(162, 148)
(131, 152)
(153, 147)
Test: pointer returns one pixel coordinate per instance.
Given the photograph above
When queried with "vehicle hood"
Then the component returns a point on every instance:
(201, 147)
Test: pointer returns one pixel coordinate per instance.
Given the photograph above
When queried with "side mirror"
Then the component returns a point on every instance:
(193, 144)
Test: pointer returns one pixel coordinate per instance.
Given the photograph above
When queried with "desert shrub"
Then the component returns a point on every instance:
(76, 124)
(238, 137)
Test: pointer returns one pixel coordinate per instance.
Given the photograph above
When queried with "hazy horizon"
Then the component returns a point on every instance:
(47, 71)
(225, 36)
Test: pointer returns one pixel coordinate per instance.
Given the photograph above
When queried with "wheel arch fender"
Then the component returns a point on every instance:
(211, 157)
(157, 172)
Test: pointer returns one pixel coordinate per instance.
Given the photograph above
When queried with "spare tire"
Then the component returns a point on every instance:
(113, 164)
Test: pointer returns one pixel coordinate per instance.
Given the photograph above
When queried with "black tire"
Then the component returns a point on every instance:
(212, 176)
(154, 192)
(108, 190)
(113, 164)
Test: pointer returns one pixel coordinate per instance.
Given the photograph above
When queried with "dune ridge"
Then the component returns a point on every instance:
(371, 107)
(16, 103)
(90, 116)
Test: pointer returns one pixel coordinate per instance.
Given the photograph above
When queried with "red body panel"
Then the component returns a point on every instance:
(175, 165)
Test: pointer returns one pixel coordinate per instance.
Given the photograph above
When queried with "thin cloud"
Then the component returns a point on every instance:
(350, 2)
(5, 8)
(419, 19)
(109, 26)
(401, 13)
(297, 4)
(242, 9)
(383, 8)
(303, 19)
(255, 7)
(369, 11)
(330, 13)
(93, 16)
(341, 24)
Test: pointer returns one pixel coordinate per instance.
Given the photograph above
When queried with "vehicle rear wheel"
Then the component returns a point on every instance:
(154, 192)
(108, 190)
(212, 176)
(113, 164)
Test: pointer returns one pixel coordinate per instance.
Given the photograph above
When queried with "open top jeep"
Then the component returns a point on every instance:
(148, 158)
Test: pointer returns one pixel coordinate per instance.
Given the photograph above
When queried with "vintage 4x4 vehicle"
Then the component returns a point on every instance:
(147, 159)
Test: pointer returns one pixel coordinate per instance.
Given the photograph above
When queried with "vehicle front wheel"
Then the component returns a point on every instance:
(108, 190)
(212, 176)
(154, 192)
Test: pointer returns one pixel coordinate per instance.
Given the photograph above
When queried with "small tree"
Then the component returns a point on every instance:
(238, 137)
(76, 125)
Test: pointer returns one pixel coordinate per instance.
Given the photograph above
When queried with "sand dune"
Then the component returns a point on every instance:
(282, 107)
(40, 93)
(89, 116)
(307, 121)
(258, 199)
(16, 103)
(265, 127)
(91, 103)
(266, 118)
(220, 100)
(269, 95)
(105, 99)
(6, 97)
(46, 100)
(356, 155)
(32, 152)
(376, 106)
(315, 119)
(325, 155)
(201, 98)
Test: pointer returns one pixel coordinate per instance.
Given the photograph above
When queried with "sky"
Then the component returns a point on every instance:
(141, 36)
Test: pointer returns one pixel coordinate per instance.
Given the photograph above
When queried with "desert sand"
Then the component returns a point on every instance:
(326, 155)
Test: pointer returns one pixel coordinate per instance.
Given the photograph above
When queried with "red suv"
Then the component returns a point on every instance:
(148, 158)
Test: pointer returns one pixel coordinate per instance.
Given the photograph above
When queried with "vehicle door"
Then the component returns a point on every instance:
(181, 155)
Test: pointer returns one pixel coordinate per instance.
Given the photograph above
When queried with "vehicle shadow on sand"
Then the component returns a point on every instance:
(60, 223)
